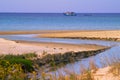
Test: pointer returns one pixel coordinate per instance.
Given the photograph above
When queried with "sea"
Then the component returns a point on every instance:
(58, 21)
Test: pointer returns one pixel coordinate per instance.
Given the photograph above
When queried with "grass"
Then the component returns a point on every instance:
(115, 66)
(113, 61)
(88, 73)
(23, 63)
(13, 65)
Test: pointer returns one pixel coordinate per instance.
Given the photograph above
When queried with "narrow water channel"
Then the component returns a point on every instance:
(98, 59)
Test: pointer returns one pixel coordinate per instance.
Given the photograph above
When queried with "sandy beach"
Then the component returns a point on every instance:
(73, 34)
(93, 34)
(33, 32)
(21, 47)
(113, 35)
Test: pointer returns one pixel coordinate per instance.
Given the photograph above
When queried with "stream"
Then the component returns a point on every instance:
(98, 59)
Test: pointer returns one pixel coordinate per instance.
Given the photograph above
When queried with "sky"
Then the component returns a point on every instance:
(60, 6)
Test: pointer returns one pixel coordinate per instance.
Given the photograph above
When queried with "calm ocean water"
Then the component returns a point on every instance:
(56, 21)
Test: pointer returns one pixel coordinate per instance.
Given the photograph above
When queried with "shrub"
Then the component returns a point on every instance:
(19, 59)
(10, 71)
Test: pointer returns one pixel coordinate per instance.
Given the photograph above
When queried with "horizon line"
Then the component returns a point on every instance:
(63, 12)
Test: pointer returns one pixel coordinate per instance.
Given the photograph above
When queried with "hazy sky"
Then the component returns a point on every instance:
(81, 6)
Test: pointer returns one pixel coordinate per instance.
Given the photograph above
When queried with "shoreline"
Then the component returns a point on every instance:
(11, 32)
(21, 47)
(67, 56)
(34, 31)
(110, 35)
(51, 52)
(57, 58)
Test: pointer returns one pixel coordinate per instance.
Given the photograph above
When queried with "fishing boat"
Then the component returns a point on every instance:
(70, 14)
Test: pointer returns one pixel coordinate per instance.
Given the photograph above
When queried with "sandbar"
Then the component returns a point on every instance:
(22, 47)
(113, 35)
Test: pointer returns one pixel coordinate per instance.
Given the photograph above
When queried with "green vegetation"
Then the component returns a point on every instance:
(19, 59)
(68, 57)
(30, 55)
(11, 71)
(17, 67)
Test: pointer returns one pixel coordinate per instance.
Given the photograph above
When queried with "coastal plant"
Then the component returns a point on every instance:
(26, 63)
(110, 60)
(73, 76)
(113, 62)
(10, 71)
(86, 74)
(92, 65)
(17, 67)
(30, 55)
(115, 66)
(19, 59)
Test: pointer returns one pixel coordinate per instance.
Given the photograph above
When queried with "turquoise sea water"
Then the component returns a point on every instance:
(57, 21)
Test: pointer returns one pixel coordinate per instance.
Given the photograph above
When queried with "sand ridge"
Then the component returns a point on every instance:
(105, 34)
(20, 47)
(73, 34)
